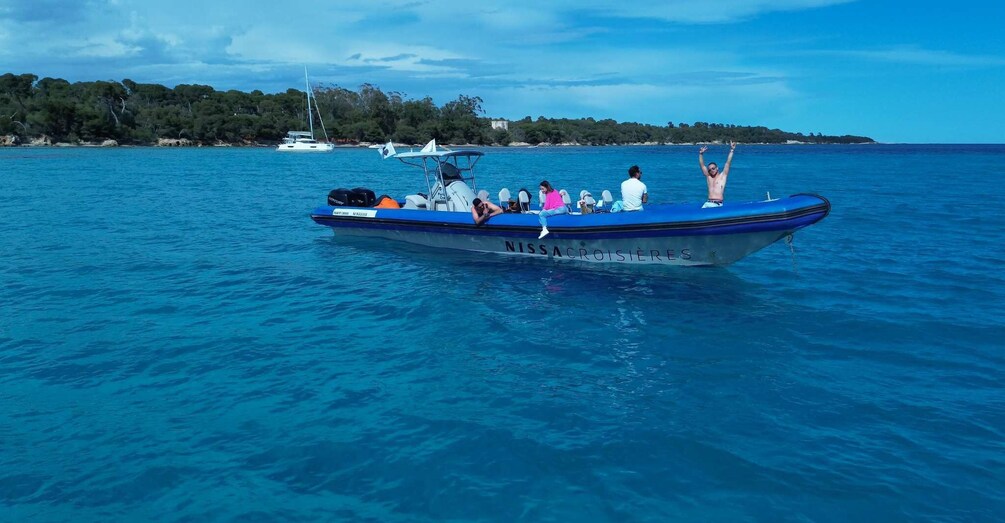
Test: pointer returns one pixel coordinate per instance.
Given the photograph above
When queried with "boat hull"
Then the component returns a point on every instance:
(306, 148)
(681, 234)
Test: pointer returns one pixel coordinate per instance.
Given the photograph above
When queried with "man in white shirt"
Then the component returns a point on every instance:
(633, 191)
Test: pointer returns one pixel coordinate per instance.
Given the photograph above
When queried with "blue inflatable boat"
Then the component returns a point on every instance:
(668, 234)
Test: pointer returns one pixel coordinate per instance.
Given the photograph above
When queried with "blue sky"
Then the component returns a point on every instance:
(895, 71)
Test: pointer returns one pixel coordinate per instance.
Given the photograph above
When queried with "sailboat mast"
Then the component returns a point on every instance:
(310, 118)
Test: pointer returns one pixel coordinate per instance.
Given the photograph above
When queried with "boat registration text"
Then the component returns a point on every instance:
(354, 213)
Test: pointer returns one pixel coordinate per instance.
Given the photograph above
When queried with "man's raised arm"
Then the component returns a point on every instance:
(729, 159)
(701, 159)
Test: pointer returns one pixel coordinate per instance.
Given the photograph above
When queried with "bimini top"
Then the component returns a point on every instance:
(439, 154)
(429, 151)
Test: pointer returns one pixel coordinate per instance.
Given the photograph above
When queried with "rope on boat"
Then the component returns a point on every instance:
(788, 241)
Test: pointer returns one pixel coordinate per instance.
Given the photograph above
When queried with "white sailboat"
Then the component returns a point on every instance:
(303, 141)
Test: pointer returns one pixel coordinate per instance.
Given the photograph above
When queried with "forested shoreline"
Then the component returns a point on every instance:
(51, 110)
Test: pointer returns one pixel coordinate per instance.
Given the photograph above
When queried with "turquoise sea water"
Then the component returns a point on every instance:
(178, 341)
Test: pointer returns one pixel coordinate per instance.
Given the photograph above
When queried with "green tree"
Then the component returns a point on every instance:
(142, 113)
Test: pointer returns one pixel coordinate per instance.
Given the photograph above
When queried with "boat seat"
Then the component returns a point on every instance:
(606, 201)
(566, 199)
(504, 198)
(524, 198)
(483, 195)
(415, 201)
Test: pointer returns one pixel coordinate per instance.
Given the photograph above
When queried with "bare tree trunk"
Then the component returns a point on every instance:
(111, 109)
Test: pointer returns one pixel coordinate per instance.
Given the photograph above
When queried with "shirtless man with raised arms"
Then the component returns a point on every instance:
(716, 180)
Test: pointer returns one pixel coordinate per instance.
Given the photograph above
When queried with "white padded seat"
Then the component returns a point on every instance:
(415, 201)
(566, 199)
(524, 199)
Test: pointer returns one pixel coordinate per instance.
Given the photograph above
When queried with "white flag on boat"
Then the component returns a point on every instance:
(430, 147)
(387, 150)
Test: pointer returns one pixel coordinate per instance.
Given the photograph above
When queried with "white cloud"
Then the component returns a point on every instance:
(647, 103)
(320, 32)
(105, 47)
(911, 55)
(506, 18)
(261, 44)
(702, 11)
(400, 57)
(548, 14)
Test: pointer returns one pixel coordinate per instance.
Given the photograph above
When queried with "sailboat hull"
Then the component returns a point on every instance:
(306, 147)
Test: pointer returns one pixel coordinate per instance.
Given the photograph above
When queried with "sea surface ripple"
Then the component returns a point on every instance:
(179, 342)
